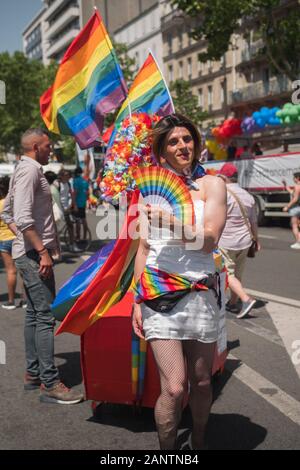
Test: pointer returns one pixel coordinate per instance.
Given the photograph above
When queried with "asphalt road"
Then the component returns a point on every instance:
(256, 400)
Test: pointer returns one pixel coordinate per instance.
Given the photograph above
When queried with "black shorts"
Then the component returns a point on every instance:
(80, 213)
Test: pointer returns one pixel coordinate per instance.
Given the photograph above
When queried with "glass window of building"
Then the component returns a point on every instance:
(200, 98)
(180, 70)
(171, 73)
(210, 96)
(189, 65)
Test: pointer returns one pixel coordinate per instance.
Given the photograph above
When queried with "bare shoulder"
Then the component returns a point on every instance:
(209, 182)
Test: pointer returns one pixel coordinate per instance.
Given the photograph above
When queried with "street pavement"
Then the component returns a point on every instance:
(256, 399)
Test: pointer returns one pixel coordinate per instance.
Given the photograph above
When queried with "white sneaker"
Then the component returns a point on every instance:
(296, 246)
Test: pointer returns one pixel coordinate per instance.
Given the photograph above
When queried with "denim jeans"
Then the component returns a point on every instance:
(39, 321)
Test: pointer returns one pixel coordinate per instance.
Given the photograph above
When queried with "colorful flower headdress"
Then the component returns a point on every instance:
(131, 149)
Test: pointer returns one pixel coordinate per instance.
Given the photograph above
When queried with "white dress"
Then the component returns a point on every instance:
(196, 315)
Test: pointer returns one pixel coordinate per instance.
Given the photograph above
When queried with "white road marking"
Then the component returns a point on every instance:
(287, 322)
(269, 237)
(258, 330)
(274, 298)
(286, 404)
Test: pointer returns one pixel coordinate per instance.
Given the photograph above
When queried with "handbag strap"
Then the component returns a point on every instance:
(243, 211)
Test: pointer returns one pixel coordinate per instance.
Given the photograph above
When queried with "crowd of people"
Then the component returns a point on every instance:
(183, 338)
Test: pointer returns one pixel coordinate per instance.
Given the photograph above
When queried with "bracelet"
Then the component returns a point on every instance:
(43, 250)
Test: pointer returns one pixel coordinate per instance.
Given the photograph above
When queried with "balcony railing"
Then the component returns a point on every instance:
(250, 52)
(61, 43)
(52, 9)
(260, 90)
(68, 16)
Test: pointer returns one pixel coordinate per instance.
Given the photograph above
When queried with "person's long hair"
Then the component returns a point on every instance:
(162, 130)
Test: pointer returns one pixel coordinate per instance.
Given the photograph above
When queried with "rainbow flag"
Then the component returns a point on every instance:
(89, 84)
(112, 281)
(148, 93)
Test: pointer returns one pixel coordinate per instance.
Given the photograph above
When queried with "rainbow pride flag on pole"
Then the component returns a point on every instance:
(148, 93)
(89, 84)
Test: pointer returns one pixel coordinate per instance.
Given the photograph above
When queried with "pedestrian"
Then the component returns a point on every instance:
(256, 149)
(188, 332)
(81, 194)
(6, 241)
(237, 237)
(293, 208)
(58, 211)
(28, 212)
(68, 203)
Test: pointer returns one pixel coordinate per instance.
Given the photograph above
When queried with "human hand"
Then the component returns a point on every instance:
(158, 217)
(137, 321)
(46, 265)
(258, 246)
(285, 209)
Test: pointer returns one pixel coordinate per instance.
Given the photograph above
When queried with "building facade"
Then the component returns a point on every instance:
(143, 33)
(33, 37)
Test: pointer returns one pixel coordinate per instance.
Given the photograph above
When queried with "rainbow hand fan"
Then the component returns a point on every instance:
(163, 188)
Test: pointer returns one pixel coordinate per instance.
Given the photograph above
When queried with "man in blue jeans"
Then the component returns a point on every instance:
(28, 212)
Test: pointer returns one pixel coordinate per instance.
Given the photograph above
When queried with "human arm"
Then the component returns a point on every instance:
(294, 200)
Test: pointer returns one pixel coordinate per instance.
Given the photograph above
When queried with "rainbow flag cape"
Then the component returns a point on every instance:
(70, 292)
(89, 84)
(112, 281)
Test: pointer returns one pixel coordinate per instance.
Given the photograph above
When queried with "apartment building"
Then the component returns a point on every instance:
(143, 33)
(33, 37)
(50, 33)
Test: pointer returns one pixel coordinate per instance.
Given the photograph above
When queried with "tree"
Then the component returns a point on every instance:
(185, 102)
(25, 81)
(277, 21)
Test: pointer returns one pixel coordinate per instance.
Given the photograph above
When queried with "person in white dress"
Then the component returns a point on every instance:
(183, 339)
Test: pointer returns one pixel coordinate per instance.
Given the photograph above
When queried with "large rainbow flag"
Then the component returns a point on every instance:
(89, 84)
(111, 282)
(148, 93)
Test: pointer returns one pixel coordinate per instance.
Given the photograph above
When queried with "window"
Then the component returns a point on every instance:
(210, 96)
(170, 44)
(222, 93)
(171, 74)
(180, 72)
(200, 66)
(190, 71)
(200, 98)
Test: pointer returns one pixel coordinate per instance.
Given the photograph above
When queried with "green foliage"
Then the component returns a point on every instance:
(185, 102)
(278, 24)
(25, 81)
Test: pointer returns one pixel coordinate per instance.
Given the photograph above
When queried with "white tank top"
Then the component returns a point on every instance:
(171, 255)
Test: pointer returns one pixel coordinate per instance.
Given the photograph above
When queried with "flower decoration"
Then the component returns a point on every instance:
(131, 148)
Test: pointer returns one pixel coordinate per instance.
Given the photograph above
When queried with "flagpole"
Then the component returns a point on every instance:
(167, 88)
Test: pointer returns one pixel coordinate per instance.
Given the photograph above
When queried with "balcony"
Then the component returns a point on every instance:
(68, 16)
(52, 10)
(261, 90)
(61, 43)
(251, 52)
(174, 18)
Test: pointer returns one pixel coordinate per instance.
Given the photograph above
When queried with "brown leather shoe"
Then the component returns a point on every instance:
(60, 394)
(30, 382)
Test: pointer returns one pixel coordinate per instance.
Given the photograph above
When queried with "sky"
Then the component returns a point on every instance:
(14, 17)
